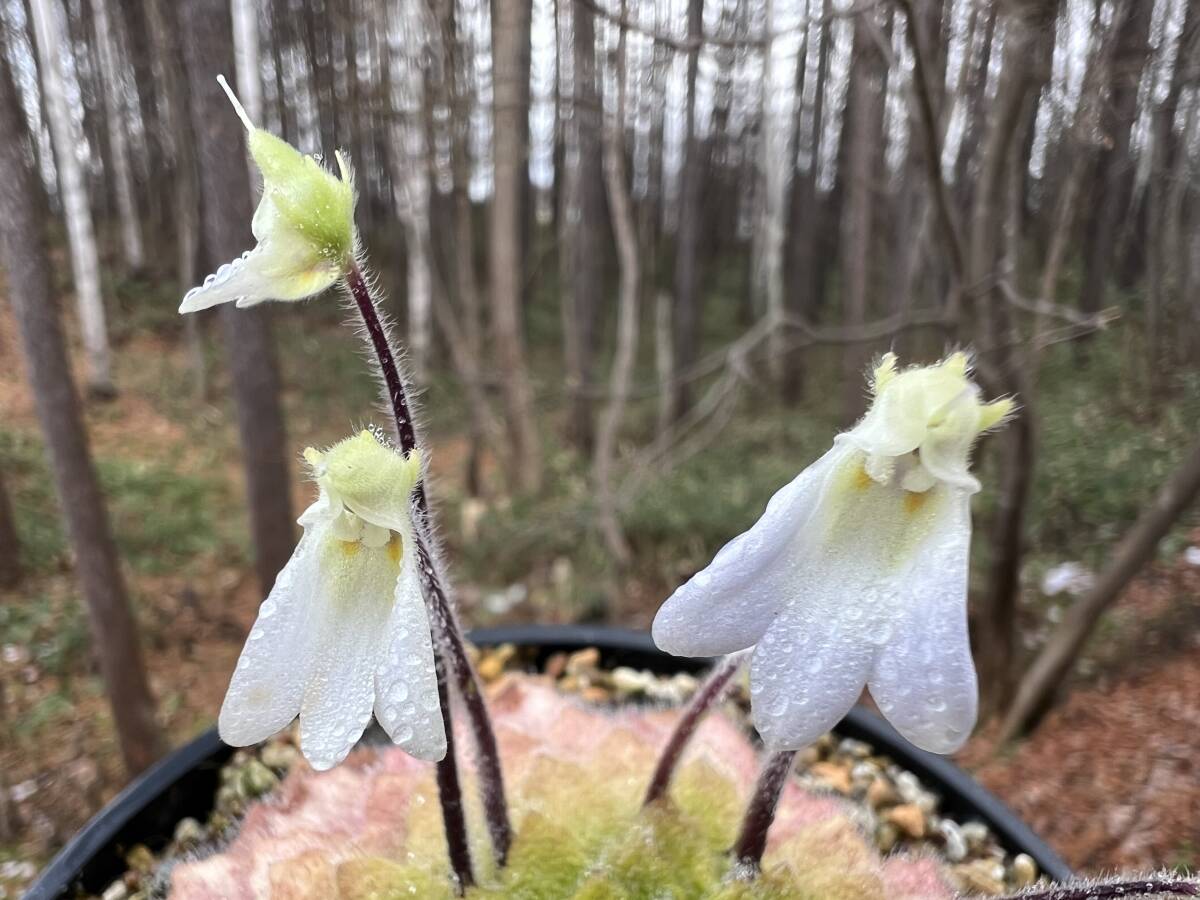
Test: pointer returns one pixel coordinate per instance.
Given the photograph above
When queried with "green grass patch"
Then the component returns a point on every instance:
(162, 519)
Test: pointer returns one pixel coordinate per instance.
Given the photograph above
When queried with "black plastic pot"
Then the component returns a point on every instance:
(185, 782)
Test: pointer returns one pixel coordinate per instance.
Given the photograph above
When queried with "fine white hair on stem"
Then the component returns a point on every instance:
(429, 532)
(399, 354)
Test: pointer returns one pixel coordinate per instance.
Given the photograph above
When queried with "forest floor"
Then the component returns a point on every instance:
(1109, 778)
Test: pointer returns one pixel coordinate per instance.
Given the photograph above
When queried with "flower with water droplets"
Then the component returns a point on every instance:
(344, 632)
(856, 574)
(304, 226)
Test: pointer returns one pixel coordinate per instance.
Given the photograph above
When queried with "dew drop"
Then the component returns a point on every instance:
(776, 706)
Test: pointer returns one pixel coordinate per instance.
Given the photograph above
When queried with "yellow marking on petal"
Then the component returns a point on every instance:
(395, 548)
(914, 501)
(350, 548)
(862, 478)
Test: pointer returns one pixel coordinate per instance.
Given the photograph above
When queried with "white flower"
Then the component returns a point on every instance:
(304, 226)
(344, 631)
(856, 574)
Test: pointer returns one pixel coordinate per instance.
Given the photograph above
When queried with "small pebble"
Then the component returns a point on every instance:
(954, 844)
(583, 661)
(1024, 870)
(856, 749)
(881, 793)
(976, 834)
(886, 836)
(257, 779)
(555, 666)
(863, 773)
(909, 818)
(495, 661)
(188, 832)
(911, 791)
(279, 756)
(808, 757)
(139, 858)
(836, 775)
(980, 876)
(629, 682)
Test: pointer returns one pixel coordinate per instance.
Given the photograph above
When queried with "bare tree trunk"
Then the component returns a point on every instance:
(976, 65)
(226, 220)
(10, 544)
(581, 224)
(1136, 549)
(1028, 41)
(865, 109)
(409, 153)
(116, 119)
(686, 319)
(510, 64)
(113, 627)
(776, 162)
(806, 214)
(1114, 174)
(625, 232)
(186, 199)
(85, 259)
(245, 55)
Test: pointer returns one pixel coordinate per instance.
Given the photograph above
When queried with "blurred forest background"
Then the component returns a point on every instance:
(640, 253)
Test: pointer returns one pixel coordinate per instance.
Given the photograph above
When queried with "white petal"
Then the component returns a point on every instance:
(864, 572)
(355, 600)
(268, 683)
(728, 605)
(807, 671)
(281, 267)
(406, 692)
(924, 678)
(321, 511)
(233, 280)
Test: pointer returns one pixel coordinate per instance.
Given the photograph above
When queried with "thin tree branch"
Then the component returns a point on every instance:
(686, 45)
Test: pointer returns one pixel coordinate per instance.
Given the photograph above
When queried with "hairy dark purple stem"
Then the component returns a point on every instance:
(1138, 887)
(706, 696)
(450, 795)
(491, 776)
(760, 813)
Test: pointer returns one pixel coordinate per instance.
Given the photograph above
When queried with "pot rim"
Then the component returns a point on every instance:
(960, 794)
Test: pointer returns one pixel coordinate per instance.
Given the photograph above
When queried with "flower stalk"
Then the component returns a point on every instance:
(760, 813)
(1138, 887)
(454, 819)
(442, 615)
(707, 695)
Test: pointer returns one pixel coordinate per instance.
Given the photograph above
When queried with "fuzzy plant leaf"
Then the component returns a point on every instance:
(371, 827)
